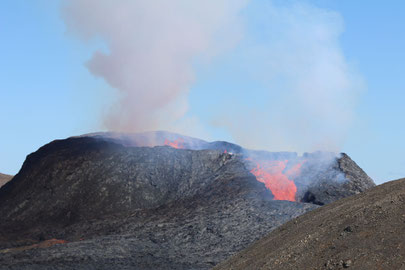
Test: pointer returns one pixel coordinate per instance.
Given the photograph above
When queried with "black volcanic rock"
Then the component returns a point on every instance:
(122, 206)
(325, 176)
(86, 178)
(328, 179)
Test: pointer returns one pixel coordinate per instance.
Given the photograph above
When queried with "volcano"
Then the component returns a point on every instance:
(319, 177)
(158, 200)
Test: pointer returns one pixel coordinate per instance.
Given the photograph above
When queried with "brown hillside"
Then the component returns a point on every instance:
(365, 231)
(4, 178)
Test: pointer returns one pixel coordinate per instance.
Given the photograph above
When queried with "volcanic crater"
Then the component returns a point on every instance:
(158, 200)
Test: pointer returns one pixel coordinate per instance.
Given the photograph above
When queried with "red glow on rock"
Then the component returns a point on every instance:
(51, 242)
(179, 143)
(276, 179)
(43, 244)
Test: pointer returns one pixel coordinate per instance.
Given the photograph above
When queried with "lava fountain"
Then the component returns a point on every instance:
(277, 179)
(179, 143)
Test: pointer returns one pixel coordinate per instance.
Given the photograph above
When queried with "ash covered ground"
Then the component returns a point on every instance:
(365, 231)
(119, 201)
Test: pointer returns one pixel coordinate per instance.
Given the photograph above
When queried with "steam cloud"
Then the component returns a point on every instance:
(311, 89)
(153, 45)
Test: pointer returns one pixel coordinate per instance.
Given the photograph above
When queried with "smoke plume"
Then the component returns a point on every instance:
(310, 88)
(291, 49)
(152, 46)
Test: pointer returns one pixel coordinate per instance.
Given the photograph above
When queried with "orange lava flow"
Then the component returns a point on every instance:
(272, 174)
(175, 144)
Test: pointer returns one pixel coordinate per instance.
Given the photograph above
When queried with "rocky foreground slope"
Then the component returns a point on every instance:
(117, 206)
(366, 231)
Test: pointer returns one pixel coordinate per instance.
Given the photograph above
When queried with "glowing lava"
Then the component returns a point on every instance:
(272, 174)
(179, 143)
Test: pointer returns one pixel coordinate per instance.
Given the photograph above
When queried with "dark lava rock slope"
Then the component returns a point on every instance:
(143, 207)
(121, 207)
(324, 178)
(365, 231)
(85, 178)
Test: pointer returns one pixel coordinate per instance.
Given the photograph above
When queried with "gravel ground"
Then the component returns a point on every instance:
(365, 231)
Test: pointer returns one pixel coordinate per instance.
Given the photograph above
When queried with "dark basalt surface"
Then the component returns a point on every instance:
(325, 177)
(127, 207)
(333, 180)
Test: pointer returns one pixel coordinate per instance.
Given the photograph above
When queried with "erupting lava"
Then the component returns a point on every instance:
(272, 174)
(179, 143)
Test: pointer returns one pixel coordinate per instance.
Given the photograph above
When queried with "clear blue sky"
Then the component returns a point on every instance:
(47, 93)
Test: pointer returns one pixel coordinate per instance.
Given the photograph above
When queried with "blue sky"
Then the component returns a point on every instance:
(46, 92)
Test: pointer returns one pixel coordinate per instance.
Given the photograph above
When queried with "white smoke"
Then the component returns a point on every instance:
(152, 46)
(299, 57)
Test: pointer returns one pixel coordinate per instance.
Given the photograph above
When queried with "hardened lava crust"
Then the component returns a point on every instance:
(95, 203)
